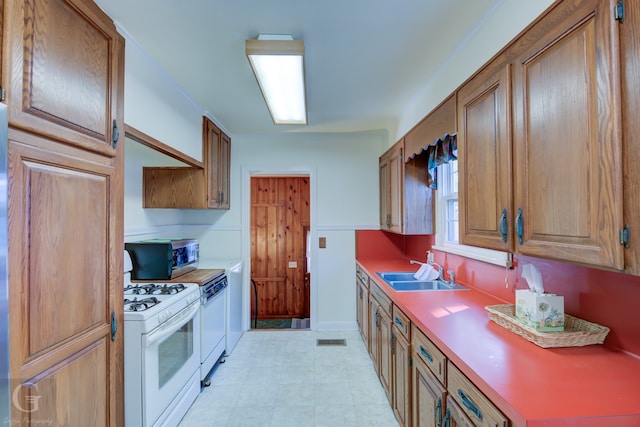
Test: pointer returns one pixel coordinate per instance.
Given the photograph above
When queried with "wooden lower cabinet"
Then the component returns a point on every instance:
(429, 396)
(65, 243)
(401, 354)
(472, 401)
(362, 305)
(386, 369)
(374, 336)
(380, 340)
(455, 416)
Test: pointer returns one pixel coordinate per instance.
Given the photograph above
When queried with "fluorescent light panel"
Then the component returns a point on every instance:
(278, 64)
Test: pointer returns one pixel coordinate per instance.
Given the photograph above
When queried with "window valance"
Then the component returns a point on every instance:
(444, 150)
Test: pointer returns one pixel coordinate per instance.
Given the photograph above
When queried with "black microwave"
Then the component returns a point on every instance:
(162, 259)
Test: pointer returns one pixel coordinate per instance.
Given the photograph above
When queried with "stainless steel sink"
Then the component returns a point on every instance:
(405, 282)
(394, 277)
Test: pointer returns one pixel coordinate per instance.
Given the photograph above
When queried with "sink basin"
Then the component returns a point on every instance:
(405, 282)
(394, 277)
(419, 285)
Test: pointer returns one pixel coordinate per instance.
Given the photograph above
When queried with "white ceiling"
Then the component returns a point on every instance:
(365, 59)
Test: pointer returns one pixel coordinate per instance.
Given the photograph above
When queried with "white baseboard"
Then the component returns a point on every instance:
(335, 326)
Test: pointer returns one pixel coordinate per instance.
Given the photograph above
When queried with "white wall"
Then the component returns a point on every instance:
(497, 28)
(344, 168)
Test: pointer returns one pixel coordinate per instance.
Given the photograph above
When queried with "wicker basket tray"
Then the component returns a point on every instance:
(577, 332)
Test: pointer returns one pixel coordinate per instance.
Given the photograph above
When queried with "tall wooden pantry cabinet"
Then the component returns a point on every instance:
(63, 71)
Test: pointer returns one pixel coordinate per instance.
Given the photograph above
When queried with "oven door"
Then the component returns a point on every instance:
(171, 357)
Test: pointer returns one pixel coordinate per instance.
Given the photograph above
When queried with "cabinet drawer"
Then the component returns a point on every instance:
(426, 351)
(383, 300)
(362, 276)
(401, 322)
(475, 405)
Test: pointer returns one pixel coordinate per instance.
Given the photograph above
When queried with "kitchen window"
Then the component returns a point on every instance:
(447, 223)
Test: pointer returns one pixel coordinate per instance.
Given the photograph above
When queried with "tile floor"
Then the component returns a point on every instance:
(282, 378)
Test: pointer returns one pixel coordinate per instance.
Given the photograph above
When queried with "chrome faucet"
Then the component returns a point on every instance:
(452, 277)
(440, 270)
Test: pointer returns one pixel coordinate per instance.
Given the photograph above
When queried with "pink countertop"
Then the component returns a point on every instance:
(575, 386)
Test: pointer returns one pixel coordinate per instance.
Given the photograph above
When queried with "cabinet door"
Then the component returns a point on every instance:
(374, 336)
(65, 254)
(386, 362)
(484, 160)
(217, 149)
(567, 137)
(224, 171)
(428, 397)
(630, 68)
(391, 189)
(401, 378)
(396, 189)
(383, 171)
(455, 416)
(67, 65)
(362, 305)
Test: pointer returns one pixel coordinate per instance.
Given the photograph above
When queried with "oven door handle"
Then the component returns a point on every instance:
(168, 328)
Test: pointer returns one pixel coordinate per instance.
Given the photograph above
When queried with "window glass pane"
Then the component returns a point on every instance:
(452, 220)
(454, 176)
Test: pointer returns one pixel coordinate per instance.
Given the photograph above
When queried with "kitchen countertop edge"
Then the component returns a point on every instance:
(437, 312)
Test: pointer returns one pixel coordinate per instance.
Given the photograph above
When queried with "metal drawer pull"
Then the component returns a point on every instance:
(469, 404)
(426, 354)
(399, 322)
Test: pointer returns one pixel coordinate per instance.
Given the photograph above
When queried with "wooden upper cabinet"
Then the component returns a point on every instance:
(65, 78)
(192, 187)
(217, 158)
(630, 69)
(391, 165)
(484, 159)
(568, 162)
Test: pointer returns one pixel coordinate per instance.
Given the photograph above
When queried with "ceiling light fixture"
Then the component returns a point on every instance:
(278, 64)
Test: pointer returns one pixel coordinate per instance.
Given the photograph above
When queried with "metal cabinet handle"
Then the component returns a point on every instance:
(426, 354)
(469, 404)
(519, 226)
(447, 418)
(114, 326)
(399, 322)
(438, 413)
(393, 343)
(503, 225)
(116, 134)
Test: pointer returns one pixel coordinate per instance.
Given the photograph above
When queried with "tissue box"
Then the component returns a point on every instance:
(543, 312)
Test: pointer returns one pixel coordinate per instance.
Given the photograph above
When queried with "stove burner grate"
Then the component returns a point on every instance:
(141, 305)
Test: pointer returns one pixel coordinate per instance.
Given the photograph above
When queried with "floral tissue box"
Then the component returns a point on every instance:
(542, 312)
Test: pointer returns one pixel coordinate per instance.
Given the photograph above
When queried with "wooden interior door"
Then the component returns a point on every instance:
(279, 214)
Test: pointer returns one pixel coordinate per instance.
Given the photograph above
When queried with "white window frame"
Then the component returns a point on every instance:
(441, 244)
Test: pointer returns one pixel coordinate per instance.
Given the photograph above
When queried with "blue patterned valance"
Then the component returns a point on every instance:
(442, 151)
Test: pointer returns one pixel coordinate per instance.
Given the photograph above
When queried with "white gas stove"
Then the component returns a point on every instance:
(162, 350)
